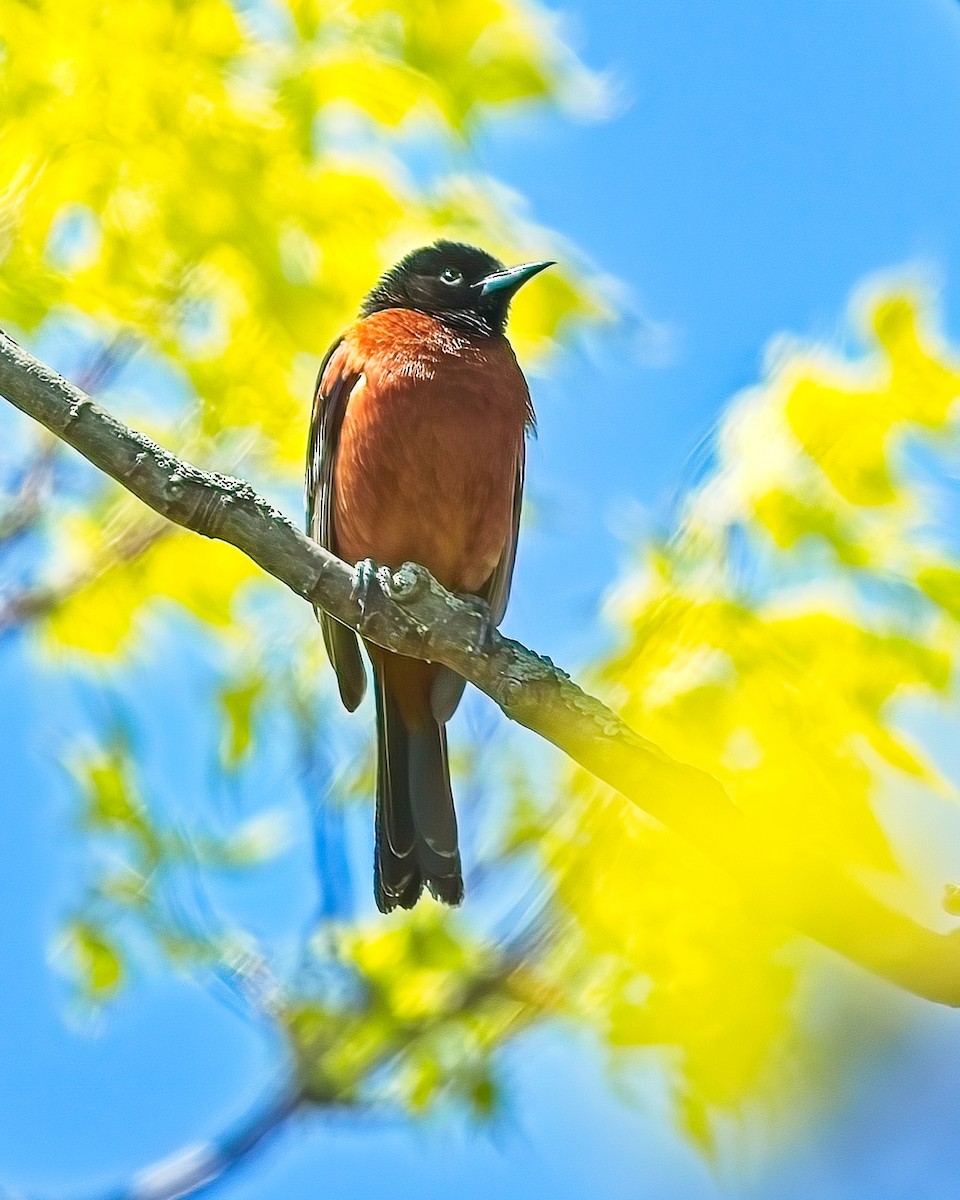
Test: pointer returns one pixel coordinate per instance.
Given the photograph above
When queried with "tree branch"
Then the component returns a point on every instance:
(412, 615)
(197, 1168)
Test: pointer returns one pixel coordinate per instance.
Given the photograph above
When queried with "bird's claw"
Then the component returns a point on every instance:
(408, 582)
(365, 573)
(405, 584)
(480, 609)
(402, 585)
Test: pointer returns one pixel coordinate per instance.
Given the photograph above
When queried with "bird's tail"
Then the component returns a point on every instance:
(416, 822)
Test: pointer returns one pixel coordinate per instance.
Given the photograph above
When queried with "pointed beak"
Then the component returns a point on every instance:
(513, 278)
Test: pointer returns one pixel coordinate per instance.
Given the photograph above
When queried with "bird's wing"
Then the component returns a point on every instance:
(496, 591)
(329, 404)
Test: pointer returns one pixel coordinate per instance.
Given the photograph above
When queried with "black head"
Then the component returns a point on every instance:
(463, 286)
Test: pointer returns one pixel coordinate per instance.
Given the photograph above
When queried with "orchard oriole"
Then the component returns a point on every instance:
(416, 453)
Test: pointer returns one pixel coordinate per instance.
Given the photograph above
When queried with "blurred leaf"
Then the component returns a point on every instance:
(942, 585)
(806, 590)
(126, 888)
(110, 799)
(98, 963)
(113, 804)
(239, 702)
(483, 1095)
(430, 1008)
(257, 841)
(102, 616)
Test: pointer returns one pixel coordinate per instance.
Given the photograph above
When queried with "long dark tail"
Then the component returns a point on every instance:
(416, 823)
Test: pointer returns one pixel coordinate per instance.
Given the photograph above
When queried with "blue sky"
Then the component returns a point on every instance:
(766, 159)
(762, 160)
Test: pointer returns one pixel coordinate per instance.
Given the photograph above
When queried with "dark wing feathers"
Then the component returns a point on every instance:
(496, 591)
(329, 405)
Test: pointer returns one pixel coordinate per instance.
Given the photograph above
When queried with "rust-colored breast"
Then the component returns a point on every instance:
(429, 446)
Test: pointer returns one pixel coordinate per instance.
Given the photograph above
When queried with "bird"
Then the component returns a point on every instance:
(416, 453)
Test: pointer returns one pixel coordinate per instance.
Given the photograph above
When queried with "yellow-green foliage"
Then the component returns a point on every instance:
(804, 591)
(172, 171)
(97, 962)
(177, 175)
(214, 190)
(425, 993)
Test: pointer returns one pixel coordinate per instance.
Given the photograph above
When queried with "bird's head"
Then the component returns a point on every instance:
(463, 286)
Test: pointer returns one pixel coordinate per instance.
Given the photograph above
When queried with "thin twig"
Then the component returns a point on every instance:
(24, 509)
(192, 1170)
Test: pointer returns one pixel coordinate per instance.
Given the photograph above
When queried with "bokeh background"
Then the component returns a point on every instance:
(740, 530)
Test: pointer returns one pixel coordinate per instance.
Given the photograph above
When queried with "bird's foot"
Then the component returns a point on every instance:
(481, 610)
(408, 582)
(403, 585)
(366, 576)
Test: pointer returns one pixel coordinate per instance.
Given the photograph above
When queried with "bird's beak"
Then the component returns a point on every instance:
(511, 279)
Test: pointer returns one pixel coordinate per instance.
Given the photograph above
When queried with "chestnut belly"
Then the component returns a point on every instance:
(426, 473)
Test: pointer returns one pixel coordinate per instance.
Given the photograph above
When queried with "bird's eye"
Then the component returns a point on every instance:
(451, 275)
